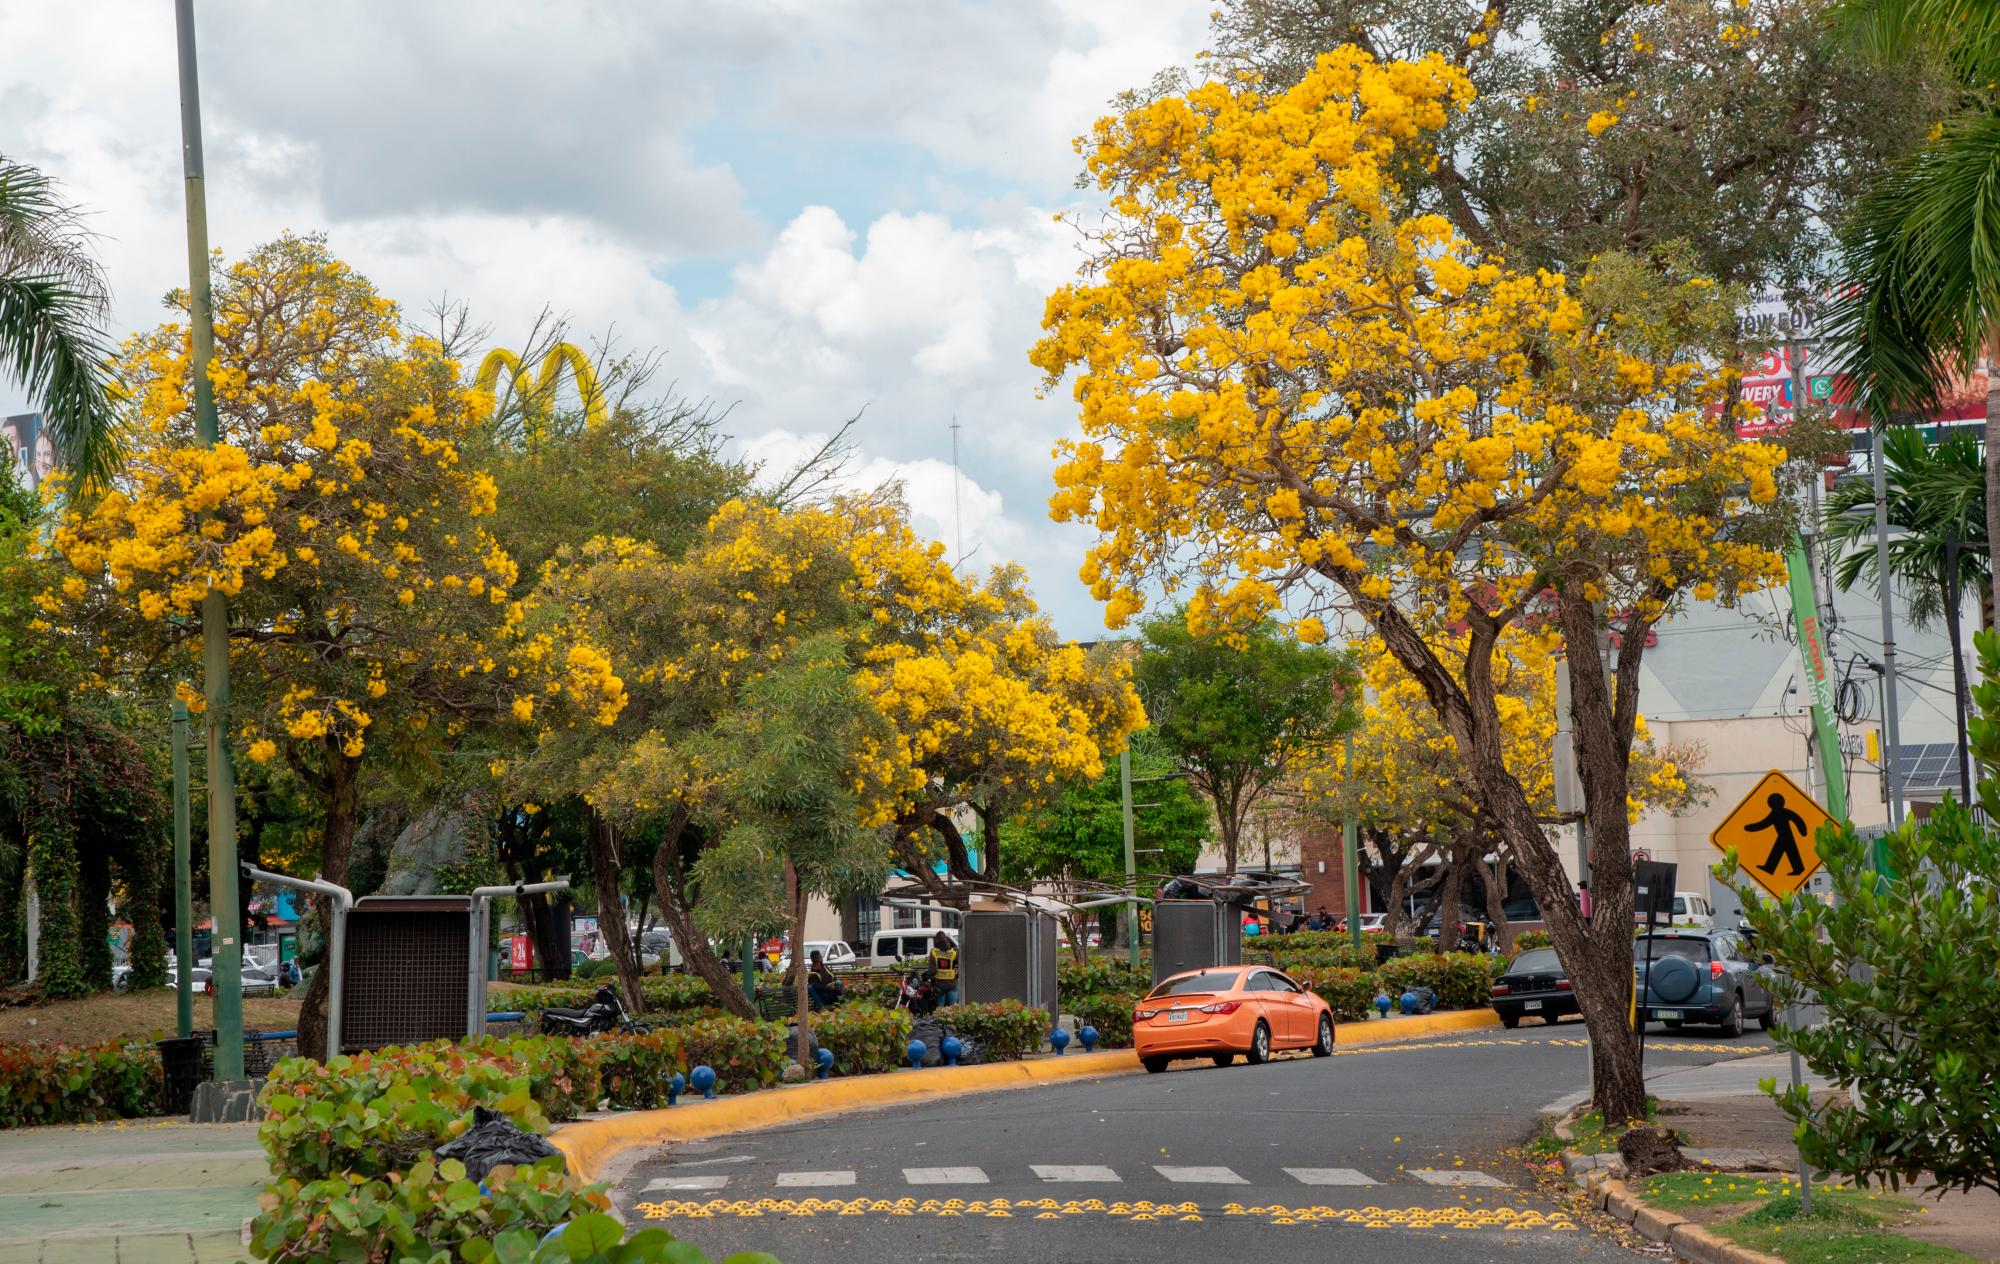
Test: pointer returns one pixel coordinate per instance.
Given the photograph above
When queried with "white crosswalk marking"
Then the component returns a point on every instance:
(1199, 1175)
(1454, 1176)
(1073, 1172)
(813, 1180)
(944, 1176)
(666, 1183)
(1329, 1176)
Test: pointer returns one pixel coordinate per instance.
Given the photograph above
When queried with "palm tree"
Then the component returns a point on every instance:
(1937, 500)
(53, 306)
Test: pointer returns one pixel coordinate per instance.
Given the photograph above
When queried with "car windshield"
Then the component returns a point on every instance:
(1670, 946)
(1680, 907)
(1203, 981)
(1536, 961)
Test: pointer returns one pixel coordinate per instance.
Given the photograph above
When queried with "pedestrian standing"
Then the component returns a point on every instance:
(944, 968)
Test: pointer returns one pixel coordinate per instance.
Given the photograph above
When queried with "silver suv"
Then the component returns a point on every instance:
(1698, 977)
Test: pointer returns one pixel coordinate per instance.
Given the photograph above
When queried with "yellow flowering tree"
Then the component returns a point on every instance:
(372, 616)
(975, 701)
(1288, 392)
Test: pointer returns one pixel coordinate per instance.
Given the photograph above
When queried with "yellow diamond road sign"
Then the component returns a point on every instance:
(1773, 831)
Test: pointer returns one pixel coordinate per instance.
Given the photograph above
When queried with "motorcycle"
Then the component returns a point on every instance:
(604, 1013)
(919, 994)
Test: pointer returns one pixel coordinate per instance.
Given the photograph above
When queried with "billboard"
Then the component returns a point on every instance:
(1787, 361)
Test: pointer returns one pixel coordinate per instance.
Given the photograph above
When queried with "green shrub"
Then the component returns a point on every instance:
(1462, 980)
(634, 1070)
(865, 1039)
(1532, 939)
(370, 1114)
(1110, 1013)
(78, 1084)
(1004, 1029)
(877, 991)
(743, 1054)
(1102, 974)
(1348, 991)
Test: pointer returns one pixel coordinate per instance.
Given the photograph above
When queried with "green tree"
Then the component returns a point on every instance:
(1079, 837)
(1237, 713)
(1906, 967)
(53, 305)
(1937, 503)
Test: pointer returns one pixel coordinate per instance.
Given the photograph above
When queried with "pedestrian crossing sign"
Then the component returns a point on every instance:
(1774, 833)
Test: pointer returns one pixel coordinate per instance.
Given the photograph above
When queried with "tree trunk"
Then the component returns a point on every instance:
(1494, 878)
(795, 895)
(1231, 826)
(602, 840)
(1451, 901)
(549, 938)
(677, 910)
(52, 861)
(340, 789)
(1993, 439)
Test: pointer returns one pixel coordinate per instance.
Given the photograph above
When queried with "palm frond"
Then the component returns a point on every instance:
(41, 234)
(1921, 271)
(49, 339)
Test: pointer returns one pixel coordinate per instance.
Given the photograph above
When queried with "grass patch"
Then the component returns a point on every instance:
(1839, 1230)
(1591, 1134)
(1845, 1226)
(129, 1016)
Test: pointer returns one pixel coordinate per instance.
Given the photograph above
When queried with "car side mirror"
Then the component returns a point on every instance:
(1768, 959)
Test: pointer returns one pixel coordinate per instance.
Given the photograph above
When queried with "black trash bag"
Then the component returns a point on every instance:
(491, 1141)
(1427, 999)
(931, 1032)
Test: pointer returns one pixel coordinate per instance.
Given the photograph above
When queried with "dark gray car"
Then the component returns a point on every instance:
(1699, 977)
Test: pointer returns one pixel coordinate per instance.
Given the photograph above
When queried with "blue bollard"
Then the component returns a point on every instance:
(1409, 1002)
(825, 1059)
(1059, 1040)
(1088, 1035)
(951, 1047)
(914, 1051)
(676, 1085)
(702, 1078)
(1382, 1004)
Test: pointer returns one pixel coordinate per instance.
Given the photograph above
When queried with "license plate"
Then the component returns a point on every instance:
(1665, 1013)
(1531, 1005)
(1177, 1016)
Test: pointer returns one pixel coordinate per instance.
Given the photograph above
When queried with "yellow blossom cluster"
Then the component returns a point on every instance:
(1277, 377)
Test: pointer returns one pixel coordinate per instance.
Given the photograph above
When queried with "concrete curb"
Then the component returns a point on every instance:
(594, 1146)
(1683, 1237)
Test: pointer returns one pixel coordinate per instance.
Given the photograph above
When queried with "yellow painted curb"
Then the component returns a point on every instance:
(590, 1145)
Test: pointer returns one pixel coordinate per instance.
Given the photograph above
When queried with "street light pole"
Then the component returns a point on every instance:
(226, 948)
(1891, 722)
(183, 882)
(1350, 847)
(1131, 856)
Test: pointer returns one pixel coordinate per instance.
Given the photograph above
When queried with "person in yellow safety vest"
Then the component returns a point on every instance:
(944, 969)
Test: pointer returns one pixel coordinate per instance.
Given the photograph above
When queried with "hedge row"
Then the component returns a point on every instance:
(1005, 1030)
(1462, 980)
(865, 1039)
(78, 1084)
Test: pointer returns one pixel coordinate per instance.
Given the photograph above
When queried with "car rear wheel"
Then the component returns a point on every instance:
(1323, 1047)
(1732, 1022)
(1260, 1045)
(1223, 1059)
(1769, 1018)
(1509, 1021)
(1154, 1065)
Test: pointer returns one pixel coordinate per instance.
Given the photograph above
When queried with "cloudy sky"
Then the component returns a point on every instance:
(813, 207)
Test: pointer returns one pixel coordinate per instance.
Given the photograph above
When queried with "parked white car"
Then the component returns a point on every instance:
(837, 953)
(908, 944)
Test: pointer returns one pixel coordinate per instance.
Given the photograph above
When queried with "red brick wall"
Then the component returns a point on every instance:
(1320, 860)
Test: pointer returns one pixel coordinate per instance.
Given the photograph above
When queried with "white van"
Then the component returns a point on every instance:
(1692, 909)
(908, 944)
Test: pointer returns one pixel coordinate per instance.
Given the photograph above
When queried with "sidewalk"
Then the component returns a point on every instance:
(1736, 1077)
(134, 1192)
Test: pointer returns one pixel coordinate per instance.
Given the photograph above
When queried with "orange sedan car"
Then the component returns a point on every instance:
(1221, 1011)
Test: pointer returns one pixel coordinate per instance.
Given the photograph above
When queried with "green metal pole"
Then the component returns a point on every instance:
(750, 968)
(1350, 838)
(183, 881)
(1819, 679)
(1131, 856)
(226, 947)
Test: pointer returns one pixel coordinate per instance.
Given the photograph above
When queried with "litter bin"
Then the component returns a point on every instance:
(1384, 953)
(181, 1059)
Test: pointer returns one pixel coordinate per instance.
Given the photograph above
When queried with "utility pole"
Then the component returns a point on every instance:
(1891, 722)
(1350, 848)
(226, 947)
(183, 882)
(957, 522)
(1131, 856)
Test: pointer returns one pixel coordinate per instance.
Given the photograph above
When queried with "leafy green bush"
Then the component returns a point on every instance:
(77, 1084)
(865, 1039)
(744, 1054)
(877, 990)
(1110, 1013)
(1102, 974)
(1004, 1029)
(1462, 980)
(370, 1114)
(1532, 939)
(1349, 992)
(634, 1071)
(415, 1214)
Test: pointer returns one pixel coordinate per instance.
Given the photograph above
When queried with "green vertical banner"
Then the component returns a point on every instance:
(1818, 675)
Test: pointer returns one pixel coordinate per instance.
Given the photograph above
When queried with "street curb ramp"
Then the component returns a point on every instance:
(594, 1147)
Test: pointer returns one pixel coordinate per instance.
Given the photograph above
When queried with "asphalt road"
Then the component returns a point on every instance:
(1398, 1153)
